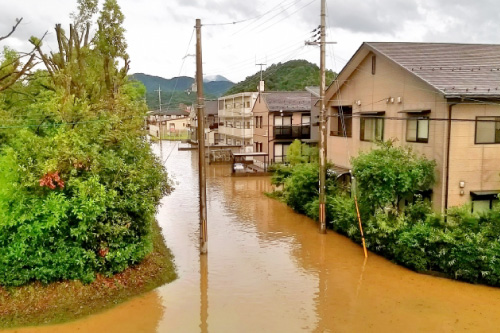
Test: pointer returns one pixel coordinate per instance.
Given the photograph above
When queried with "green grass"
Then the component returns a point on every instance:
(39, 304)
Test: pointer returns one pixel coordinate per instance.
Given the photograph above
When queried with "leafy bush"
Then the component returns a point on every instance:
(464, 245)
(79, 185)
(301, 186)
(387, 174)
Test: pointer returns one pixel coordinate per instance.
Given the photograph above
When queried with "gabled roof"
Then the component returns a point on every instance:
(455, 70)
(287, 100)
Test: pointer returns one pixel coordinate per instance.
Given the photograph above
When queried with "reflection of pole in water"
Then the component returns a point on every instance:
(360, 282)
(204, 293)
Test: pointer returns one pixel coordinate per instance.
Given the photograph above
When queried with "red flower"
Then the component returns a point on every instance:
(51, 180)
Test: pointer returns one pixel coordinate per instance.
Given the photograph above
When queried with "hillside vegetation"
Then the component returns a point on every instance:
(178, 90)
(289, 76)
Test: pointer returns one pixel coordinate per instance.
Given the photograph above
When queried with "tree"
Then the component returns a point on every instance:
(79, 185)
(387, 174)
(11, 66)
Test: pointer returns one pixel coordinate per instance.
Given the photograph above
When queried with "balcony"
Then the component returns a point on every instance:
(292, 132)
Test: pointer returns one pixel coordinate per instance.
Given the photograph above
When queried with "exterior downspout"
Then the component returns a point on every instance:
(268, 136)
(448, 143)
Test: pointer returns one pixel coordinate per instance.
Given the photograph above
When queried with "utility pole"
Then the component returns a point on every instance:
(322, 126)
(260, 69)
(159, 96)
(159, 104)
(201, 141)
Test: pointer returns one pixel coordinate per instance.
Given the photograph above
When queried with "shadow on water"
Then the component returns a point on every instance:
(272, 271)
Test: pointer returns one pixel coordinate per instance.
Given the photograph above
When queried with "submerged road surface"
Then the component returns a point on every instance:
(270, 270)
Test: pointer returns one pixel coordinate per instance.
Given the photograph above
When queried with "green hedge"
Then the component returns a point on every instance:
(464, 246)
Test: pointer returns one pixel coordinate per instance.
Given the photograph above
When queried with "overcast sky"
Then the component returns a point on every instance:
(160, 33)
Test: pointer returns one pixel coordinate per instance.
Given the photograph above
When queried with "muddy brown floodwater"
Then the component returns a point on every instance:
(270, 270)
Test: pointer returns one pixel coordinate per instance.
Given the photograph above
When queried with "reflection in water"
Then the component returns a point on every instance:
(204, 293)
(272, 271)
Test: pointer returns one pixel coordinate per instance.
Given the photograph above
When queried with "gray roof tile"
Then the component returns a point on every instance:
(453, 69)
(288, 100)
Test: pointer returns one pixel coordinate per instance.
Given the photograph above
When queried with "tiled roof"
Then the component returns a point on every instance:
(288, 100)
(454, 69)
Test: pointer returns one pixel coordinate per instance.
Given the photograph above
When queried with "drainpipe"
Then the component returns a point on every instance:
(268, 135)
(448, 143)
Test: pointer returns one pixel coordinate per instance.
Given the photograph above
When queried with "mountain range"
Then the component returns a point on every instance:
(214, 86)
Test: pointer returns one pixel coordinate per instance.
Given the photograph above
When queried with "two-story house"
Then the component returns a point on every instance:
(211, 123)
(168, 122)
(281, 117)
(443, 100)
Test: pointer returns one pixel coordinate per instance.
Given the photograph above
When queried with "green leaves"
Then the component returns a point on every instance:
(388, 174)
(79, 185)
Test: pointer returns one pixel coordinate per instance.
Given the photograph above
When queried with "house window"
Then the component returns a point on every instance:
(306, 120)
(283, 121)
(257, 122)
(417, 129)
(374, 64)
(372, 127)
(258, 147)
(487, 130)
(280, 151)
(484, 200)
(342, 120)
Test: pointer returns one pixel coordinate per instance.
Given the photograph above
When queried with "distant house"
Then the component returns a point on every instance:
(280, 118)
(211, 123)
(168, 122)
(443, 100)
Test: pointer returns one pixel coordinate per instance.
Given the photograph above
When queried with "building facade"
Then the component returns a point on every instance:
(280, 118)
(442, 100)
(211, 124)
(236, 121)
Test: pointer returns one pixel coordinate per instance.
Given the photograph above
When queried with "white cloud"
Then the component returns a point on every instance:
(158, 31)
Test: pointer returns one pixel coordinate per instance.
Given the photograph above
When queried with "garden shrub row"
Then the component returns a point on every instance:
(463, 245)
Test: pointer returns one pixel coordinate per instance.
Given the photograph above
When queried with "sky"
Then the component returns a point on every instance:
(238, 34)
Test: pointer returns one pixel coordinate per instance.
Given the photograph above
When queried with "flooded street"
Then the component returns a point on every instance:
(270, 270)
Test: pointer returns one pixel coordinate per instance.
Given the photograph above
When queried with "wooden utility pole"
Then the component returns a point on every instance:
(201, 141)
(322, 126)
(159, 104)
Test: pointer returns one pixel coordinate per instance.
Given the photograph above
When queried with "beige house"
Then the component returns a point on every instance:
(281, 117)
(168, 123)
(443, 100)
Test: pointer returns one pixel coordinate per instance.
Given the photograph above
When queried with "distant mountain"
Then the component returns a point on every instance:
(210, 78)
(152, 82)
(289, 76)
(217, 88)
(178, 89)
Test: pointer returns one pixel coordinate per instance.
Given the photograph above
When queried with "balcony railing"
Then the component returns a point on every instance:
(292, 132)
